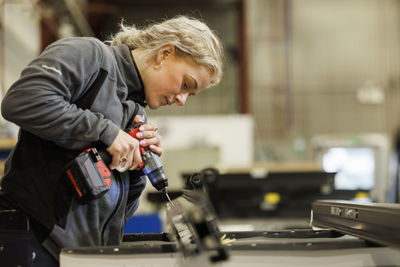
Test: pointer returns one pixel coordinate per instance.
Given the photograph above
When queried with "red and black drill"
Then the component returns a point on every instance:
(91, 178)
(151, 165)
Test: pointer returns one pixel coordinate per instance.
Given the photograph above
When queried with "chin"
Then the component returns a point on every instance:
(153, 105)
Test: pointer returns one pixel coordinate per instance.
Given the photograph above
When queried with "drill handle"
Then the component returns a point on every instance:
(133, 133)
(132, 130)
(107, 158)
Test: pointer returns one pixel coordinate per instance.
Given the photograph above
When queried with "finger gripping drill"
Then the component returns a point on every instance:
(151, 165)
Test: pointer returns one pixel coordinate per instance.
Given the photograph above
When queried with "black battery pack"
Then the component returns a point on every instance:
(88, 175)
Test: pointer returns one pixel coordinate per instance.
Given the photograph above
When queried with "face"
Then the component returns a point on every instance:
(172, 79)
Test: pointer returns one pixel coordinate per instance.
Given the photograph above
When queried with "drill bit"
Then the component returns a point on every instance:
(169, 199)
(166, 194)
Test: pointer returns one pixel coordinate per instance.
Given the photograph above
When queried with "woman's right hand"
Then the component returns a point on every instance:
(125, 152)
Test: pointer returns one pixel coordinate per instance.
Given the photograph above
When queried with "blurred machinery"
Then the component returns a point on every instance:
(267, 195)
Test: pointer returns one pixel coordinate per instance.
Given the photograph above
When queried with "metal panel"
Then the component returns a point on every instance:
(376, 222)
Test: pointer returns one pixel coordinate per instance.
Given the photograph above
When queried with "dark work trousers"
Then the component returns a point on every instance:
(19, 246)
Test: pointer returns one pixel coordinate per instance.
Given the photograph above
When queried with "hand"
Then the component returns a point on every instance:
(148, 136)
(125, 152)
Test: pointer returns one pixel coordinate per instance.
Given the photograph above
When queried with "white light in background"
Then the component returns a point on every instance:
(355, 167)
(370, 93)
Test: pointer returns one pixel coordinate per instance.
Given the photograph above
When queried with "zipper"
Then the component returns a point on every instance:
(120, 182)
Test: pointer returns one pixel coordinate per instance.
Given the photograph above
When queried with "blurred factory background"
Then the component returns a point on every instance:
(309, 86)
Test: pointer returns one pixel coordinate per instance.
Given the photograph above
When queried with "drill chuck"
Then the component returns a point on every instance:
(158, 179)
(153, 168)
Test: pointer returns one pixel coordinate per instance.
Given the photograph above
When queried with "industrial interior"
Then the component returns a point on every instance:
(291, 160)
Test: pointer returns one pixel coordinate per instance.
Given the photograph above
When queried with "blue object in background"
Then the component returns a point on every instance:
(4, 153)
(144, 223)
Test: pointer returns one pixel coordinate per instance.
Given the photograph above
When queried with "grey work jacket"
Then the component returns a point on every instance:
(78, 93)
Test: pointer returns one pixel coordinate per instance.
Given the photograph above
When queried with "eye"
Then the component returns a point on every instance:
(185, 86)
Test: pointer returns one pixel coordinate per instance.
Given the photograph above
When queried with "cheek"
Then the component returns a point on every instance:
(157, 84)
(171, 82)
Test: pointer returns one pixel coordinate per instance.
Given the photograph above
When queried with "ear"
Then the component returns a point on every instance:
(165, 52)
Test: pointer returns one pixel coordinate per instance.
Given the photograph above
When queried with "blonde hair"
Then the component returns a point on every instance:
(191, 37)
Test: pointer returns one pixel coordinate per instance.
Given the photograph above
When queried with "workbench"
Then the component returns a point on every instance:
(249, 248)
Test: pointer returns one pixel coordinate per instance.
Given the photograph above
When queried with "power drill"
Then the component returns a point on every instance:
(91, 179)
(151, 165)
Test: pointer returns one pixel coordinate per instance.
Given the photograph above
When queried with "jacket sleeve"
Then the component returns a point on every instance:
(41, 101)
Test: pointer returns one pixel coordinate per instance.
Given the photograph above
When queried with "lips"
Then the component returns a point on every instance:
(168, 102)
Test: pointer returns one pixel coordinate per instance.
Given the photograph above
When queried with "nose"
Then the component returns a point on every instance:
(180, 99)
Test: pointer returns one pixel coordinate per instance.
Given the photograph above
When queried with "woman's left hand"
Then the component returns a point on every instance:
(148, 136)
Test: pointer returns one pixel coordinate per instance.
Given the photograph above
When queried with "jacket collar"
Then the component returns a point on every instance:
(131, 74)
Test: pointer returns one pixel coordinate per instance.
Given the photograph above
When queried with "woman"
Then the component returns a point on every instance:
(81, 93)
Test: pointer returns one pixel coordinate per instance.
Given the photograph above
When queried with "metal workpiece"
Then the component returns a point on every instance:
(375, 222)
(192, 224)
